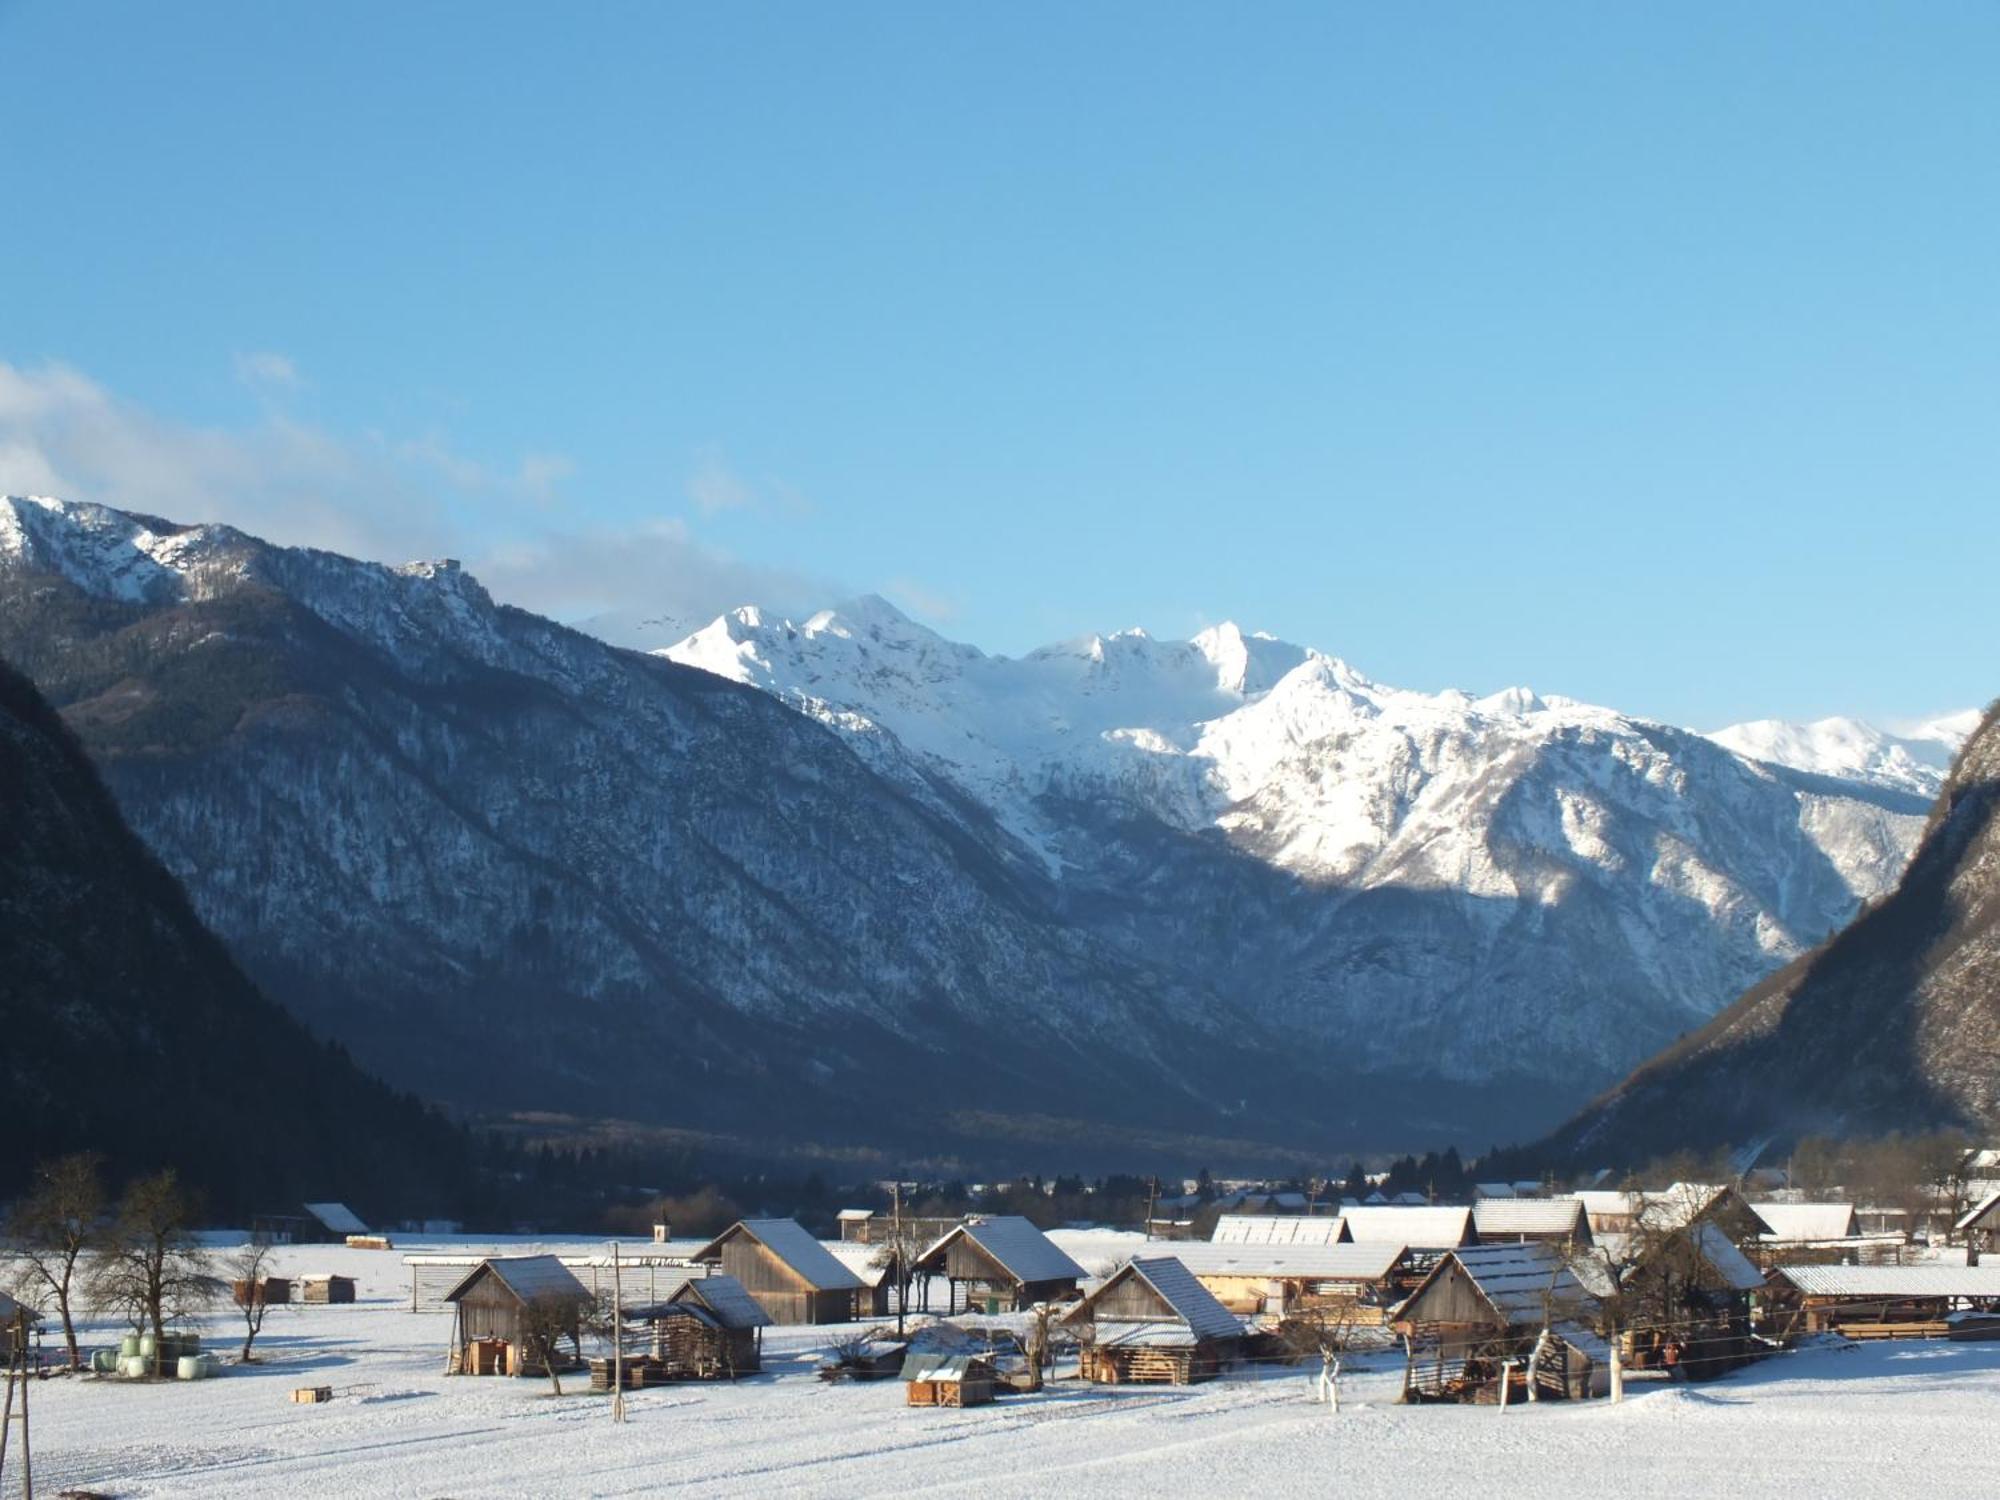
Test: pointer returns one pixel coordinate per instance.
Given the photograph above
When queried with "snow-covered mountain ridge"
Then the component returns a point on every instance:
(1226, 878)
(1915, 760)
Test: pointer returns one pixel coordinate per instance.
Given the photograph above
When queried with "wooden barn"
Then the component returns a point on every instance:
(1509, 1221)
(1356, 1282)
(710, 1328)
(497, 1308)
(1151, 1321)
(793, 1276)
(1689, 1286)
(313, 1224)
(1880, 1301)
(947, 1380)
(1488, 1313)
(1979, 1227)
(1001, 1263)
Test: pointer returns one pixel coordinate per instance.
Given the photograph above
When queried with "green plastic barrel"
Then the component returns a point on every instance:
(128, 1346)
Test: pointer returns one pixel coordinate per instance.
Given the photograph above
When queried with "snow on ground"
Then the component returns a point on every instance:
(1885, 1419)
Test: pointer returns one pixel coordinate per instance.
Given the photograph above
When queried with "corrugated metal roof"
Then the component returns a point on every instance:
(1498, 1216)
(1808, 1221)
(1427, 1228)
(1895, 1281)
(787, 1239)
(726, 1297)
(1279, 1229)
(337, 1217)
(1025, 1252)
(527, 1276)
(1369, 1262)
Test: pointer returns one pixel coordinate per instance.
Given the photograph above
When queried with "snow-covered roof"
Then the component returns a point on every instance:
(1808, 1221)
(1584, 1338)
(1021, 1249)
(1504, 1216)
(1523, 1282)
(1146, 1335)
(1190, 1301)
(950, 1369)
(1978, 1213)
(1494, 1190)
(1982, 1280)
(337, 1217)
(1731, 1264)
(1421, 1228)
(1365, 1262)
(1606, 1201)
(855, 1215)
(787, 1239)
(526, 1276)
(1280, 1229)
(727, 1298)
(865, 1261)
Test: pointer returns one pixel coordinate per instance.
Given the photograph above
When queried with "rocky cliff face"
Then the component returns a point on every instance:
(130, 1031)
(1892, 1025)
(1227, 885)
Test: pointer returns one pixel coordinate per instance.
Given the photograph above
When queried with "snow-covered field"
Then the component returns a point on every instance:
(1896, 1419)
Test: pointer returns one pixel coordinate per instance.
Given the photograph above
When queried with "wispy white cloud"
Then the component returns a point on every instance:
(379, 496)
(715, 487)
(266, 370)
(928, 603)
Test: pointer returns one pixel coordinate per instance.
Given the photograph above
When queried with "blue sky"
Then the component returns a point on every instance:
(1645, 354)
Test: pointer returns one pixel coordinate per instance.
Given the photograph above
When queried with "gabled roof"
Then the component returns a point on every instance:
(950, 1369)
(1421, 1228)
(1523, 1283)
(1606, 1201)
(337, 1217)
(787, 1239)
(1280, 1229)
(1493, 1217)
(1368, 1262)
(727, 1298)
(1731, 1264)
(1985, 1214)
(10, 1309)
(526, 1276)
(1190, 1302)
(1019, 1248)
(1804, 1222)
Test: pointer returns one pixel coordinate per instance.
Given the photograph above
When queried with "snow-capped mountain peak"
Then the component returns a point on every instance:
(1915, 761)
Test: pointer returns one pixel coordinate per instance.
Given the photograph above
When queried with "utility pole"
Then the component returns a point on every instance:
(904, 1272)
(1152, 1198)
(617, 1338)
(17, 1370)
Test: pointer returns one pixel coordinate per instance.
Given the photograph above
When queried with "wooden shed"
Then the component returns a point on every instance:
(325, 1286)
(1882, 1301)
(794, 1278)
(1000, 1263)
(496, 1311)
(1690, 1286)
(1979, 1227)
(873, 1265)
(1483, 1306)
(263, 1292)
(710, 1328)
(947, 1380)
(1151, 1321)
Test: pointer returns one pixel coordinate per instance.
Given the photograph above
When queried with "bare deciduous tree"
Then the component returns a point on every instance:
(151, 1269)
(546, 1321)
(52, 1229)
(248, 1270)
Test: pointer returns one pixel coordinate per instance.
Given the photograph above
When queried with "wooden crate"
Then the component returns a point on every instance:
(312, 1395)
